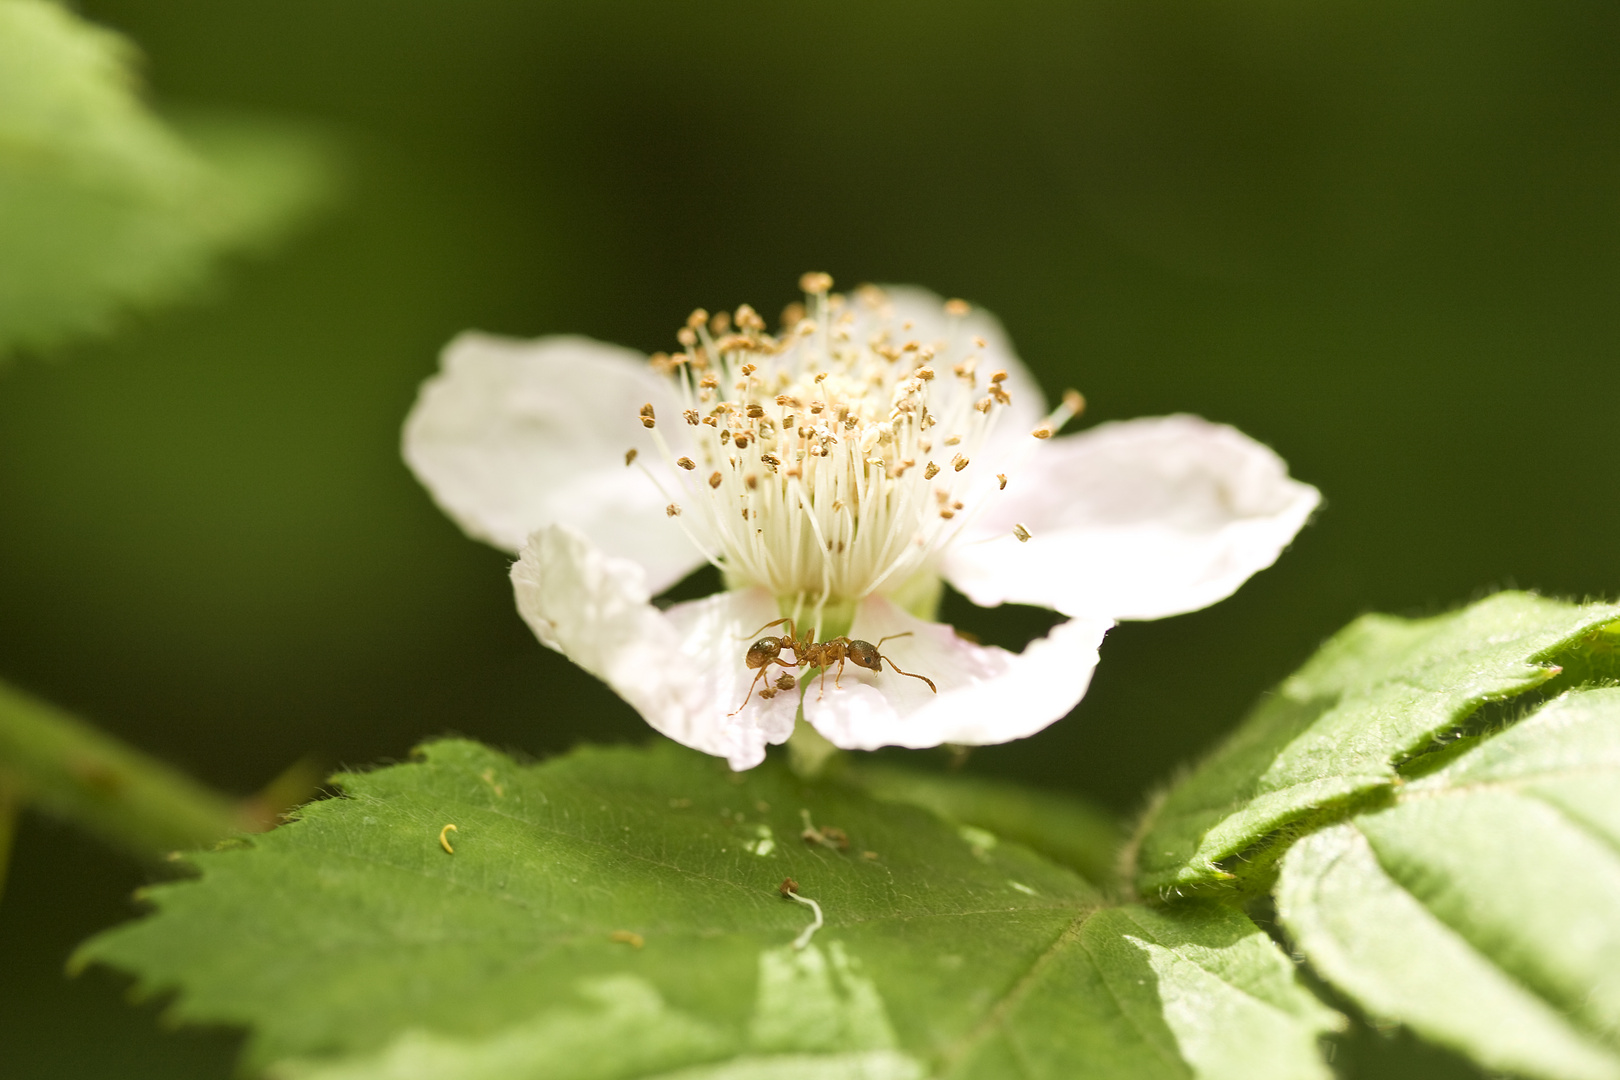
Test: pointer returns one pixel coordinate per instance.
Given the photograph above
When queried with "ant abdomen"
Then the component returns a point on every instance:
(762, 652)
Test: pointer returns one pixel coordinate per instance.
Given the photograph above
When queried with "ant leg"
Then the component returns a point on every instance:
(838, 683)
(822, 689)
(911, 675)
(757, 676)
(767, 626)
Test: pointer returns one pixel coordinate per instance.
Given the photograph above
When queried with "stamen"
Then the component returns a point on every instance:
(808, 443)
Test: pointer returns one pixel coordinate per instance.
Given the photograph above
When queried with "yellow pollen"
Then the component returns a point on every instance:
(808, 441)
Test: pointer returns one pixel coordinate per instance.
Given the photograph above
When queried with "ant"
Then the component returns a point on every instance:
(808, 653)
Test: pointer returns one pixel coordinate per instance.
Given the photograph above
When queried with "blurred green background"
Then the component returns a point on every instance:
(1381, 237)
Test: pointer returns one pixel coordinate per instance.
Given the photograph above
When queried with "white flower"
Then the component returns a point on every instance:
(836, 474)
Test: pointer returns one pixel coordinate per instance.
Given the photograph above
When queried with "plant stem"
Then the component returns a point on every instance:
(69, 769)
(809, 752)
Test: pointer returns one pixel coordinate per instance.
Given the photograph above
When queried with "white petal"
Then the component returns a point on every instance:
(683, 669)
(986, 694)
(926, 311)
(512, 436)
(1133, 520)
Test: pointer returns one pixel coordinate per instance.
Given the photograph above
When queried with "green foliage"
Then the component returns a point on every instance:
(102, 205)
(67, 768)
(1483, 907)
(1333, 736)
(1065, 829)
(617, 913)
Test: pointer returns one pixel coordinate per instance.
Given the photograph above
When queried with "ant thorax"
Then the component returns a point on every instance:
(835, 459)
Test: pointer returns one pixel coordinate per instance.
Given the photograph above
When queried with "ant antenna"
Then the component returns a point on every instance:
(896, 667)
(911, 674)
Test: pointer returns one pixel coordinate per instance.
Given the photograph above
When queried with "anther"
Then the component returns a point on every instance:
(959, 462)
(686, 463)
(1022, 533)
(725, 436)
(1043, 432)
(630, 455)
(786, 682)
(720, 323)
(815, 282)
(983, 405)
(749, 369)
(715, 478)
(647, 415)
(672, 510)
(924, 373)
(697, 318)
(710, 381)
(686, 336)
(930, 471)
(741, 440)
(1074, 402)
(998, 377)
(755, 411)
(956, 308)
(1001, 477)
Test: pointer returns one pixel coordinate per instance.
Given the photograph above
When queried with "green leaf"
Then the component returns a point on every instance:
(1483, 907)
(1332, 736)
(69, 769)
(1064, 828)
(615, 913)
(102, 205)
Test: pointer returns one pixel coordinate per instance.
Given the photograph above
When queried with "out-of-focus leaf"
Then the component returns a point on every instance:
(1483, 907)
(616, 913)
(103, 207)
(1332, 735)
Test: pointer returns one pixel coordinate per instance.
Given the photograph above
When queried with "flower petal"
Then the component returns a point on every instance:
(513, 435)
(986, 694)
(683, 669)
(1134, 520)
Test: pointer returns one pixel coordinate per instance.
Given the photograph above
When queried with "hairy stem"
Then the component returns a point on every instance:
(67, 768)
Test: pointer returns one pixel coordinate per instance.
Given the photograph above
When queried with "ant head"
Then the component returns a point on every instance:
(763, 652)
(864, 654)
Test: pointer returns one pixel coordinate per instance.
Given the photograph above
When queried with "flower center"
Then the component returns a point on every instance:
(837, 458)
